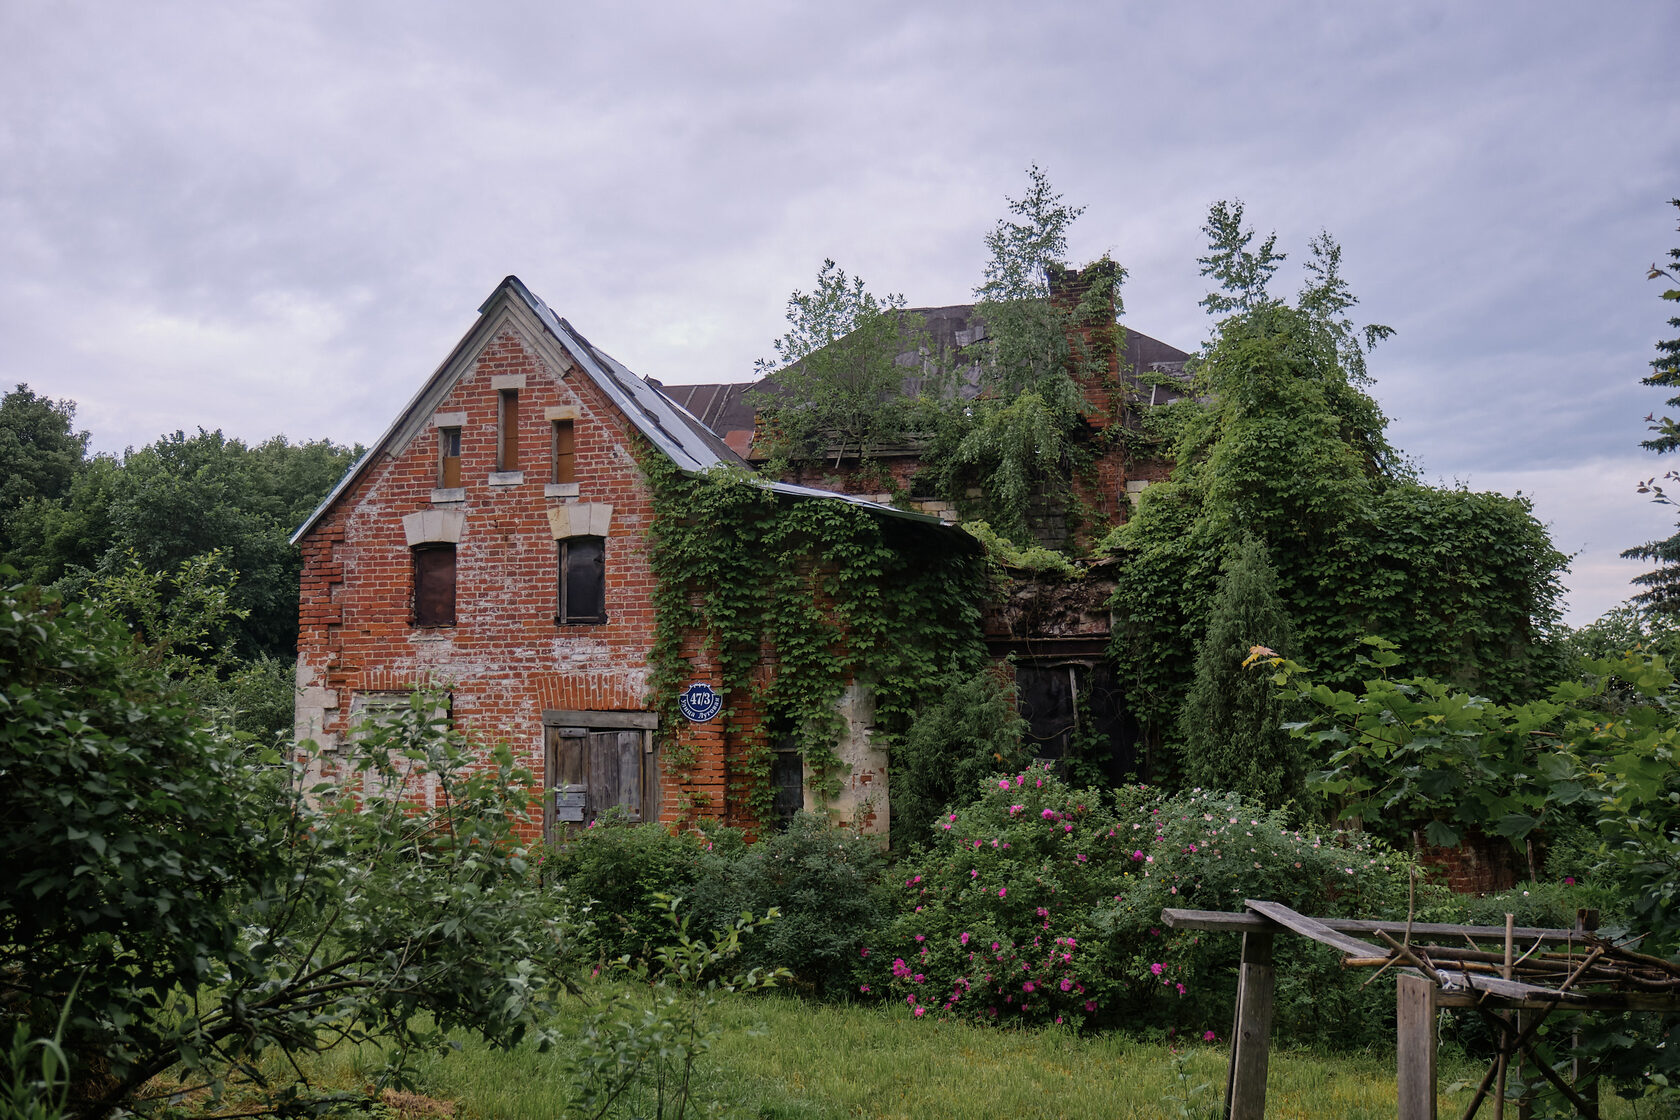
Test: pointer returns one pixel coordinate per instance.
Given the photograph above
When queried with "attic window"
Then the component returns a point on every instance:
(562, 444)
(449, 458)
(507, 442)
(583, 582)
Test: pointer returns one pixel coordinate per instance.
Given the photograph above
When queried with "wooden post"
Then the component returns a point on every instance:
(1415, 1017)
(1251, 1032)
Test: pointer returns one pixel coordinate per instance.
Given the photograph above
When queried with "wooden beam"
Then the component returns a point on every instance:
(1220, 921)
(1415, 1038)
(1251, 1035)
(1507, 989)
(1309, 927)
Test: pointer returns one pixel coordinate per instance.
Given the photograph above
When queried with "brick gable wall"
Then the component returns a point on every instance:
(505, 660)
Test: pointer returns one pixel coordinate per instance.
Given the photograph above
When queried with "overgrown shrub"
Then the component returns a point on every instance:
(972, 727)
(827, 886)
(1039, 903)
(619, 869)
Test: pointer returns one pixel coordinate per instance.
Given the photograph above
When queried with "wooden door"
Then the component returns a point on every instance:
(590, 771)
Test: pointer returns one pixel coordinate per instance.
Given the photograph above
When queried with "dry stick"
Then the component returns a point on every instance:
(1505, 1043)
(1412, 958)
(1487, 1078)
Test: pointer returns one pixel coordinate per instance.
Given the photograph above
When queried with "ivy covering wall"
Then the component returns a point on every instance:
(1282, 442)
(793, 599)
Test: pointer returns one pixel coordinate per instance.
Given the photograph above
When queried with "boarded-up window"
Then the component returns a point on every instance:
(583, 580)
(449, 458)
(593, 769)
(434, 585)
(507, 454)
(564, 447)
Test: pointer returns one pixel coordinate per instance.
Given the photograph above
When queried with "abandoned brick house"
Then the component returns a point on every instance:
(493, 546)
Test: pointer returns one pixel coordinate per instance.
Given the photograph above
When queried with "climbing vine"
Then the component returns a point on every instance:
(790, 599)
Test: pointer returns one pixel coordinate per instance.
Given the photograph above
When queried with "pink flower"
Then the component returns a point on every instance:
(1090, 1005)
(863, 952)
(1027, 987)
(1180, 988)
(975, 874)
(921, 937)
(1003, 783)
(1002, 891)
(1569, 880)
(964, 939)
(920, 1011)
(863, 988)
(1067, 985)
(1048, 814)
(1207, 1036)
(1136, 856)
(1157, 968)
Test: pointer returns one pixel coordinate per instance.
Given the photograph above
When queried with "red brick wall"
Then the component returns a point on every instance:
(505, 660)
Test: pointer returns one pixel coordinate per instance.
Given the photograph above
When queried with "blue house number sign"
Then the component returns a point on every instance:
(700, 702)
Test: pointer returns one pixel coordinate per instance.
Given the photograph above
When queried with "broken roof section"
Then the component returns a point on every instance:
(667, 425)
(951, 337)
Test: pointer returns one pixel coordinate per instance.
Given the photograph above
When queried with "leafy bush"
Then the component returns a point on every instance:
(825, 883)
(1039, 903)
(970, 728)
(620, 869)
(205, 910)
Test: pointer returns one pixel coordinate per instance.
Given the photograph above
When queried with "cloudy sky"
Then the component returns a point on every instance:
(279, 217)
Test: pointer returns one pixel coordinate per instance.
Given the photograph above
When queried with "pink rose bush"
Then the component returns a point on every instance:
(1042, 904)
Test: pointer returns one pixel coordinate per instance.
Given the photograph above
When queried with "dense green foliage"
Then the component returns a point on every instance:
(1604, 748)
(833, 592)
(182, 497)
(835, 389)
(1050, 335)
(638, 1053)
(40, 453)
(1232, 725)
(825, 885)
(1286, 446)
(203, 911)
(1662, 586)
(1039, 903)
(970, 729)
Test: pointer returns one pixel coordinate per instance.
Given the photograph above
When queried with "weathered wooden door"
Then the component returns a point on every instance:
(591, 771)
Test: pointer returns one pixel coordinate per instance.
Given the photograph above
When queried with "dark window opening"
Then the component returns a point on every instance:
(434, 585)
(583, 580)
(1076, 719)
(564, 447)
(449, 458)
(787, 779)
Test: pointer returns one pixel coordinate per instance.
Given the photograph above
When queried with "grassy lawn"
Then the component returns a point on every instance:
(784, 1059)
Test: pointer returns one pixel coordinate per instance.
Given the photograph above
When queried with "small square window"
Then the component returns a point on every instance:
(583, 580)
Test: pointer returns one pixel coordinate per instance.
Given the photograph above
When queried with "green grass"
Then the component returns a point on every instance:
(784, 1059)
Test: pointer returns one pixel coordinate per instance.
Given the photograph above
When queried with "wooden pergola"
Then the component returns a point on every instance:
(1531, 973)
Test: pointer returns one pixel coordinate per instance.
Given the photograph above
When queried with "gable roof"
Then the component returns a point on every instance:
(667, 425)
